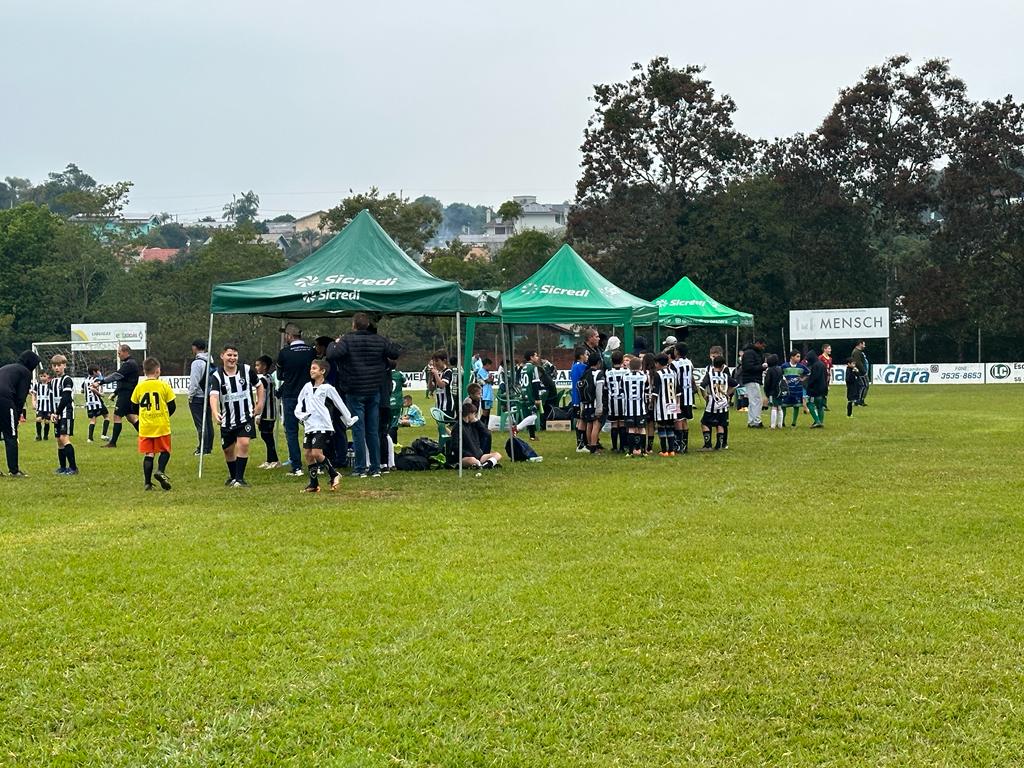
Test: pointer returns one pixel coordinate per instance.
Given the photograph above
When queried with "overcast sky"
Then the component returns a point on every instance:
(466, 101)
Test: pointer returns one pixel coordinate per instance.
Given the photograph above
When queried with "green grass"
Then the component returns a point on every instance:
(847, 596)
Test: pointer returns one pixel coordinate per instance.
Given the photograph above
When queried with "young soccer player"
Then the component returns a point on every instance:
(445, 389)
(318, 427)
(718, 386)
(795, 374)
(773, 381)
(42, 404)
(649, 368)
(267, 418)
(94, 405)
(635, 393)
(531, 391)
(232, 388)
(591, 404)
(666, 403)
(579, 368)
(684, 387)
(853, 385)
(614, 400)
(62, 393)
(154, 399)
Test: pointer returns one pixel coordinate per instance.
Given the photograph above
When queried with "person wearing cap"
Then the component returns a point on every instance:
(197, 396)
(15, 381)
(293, 362)
(670, 341)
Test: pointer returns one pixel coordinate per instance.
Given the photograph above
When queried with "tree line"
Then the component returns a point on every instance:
(907, 195)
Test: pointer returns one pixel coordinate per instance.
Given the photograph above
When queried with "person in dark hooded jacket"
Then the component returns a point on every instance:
(817, 389)
(15, 381)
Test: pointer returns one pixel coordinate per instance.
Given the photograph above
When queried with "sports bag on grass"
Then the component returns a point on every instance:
(523, 451)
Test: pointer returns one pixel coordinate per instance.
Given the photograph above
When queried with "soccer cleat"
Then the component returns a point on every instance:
(161, 478)
(707, 448)
(374, 474)
(147, 487)
(296, 473)
(271, 465)
(335, 482)
(19, 473)
(582, 449)
(264, 465)
(60, 471)
(89, 440)
(229, 481)
(239, 484)
(70, 471)
(536, 459)
(109, 445)
(105, 438)
(311, 489)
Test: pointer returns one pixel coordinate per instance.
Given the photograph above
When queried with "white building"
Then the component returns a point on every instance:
(543, 217)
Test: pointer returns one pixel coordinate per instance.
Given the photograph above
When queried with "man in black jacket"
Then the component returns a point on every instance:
(362, 360)
(15, 381)
(752, 367)
(126, 377)
(293, 363)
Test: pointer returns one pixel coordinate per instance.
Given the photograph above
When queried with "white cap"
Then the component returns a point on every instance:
(670, 340)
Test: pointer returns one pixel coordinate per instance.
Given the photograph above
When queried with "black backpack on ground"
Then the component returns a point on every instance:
(425, 447)
(407, 460)
(523, 451)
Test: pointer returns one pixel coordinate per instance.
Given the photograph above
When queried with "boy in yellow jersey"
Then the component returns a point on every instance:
(155, 400)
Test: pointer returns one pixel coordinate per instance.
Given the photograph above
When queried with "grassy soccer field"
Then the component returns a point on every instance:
(846, 596)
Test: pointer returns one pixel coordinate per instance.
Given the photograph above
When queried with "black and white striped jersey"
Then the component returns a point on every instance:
(92, 399)
(269, 412)
(684, 380)
(62, 392)
(235, 395)
(717, 386)
(44, 397)
(614, 392)
(444, 397)
(666, 404)
(635, 391)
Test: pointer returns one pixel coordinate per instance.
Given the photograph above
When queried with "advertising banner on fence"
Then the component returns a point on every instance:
(1004, 373)
(863, 323)
(929, 373)
(99, 336)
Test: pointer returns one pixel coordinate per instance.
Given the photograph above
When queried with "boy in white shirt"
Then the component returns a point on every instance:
(311, 410)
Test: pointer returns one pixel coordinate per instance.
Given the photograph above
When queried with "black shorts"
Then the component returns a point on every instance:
(317, 441)
(669, 424)
(44, 415)
(96, 410)
(267, 427)
(636, 422)
(685, 412)
(124, 405)
(588, 413)
(229, 435)
(710, 419)
(8, 420)
(65, 426)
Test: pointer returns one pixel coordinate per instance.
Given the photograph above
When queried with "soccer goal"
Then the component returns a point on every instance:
(80, 356)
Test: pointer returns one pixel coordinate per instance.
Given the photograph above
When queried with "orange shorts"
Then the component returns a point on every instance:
(155, 444)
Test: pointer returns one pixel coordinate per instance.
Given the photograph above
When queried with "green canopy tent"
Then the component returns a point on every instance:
(568, 290)
(685, 304)
(360, 270)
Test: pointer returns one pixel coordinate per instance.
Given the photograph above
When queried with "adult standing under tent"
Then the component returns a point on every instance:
(126, 378)
(293, 363)
(15, 381)
(751, 374)
(360, 270)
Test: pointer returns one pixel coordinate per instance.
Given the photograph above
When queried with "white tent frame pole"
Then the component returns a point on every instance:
(206, 397)
(508, 395)
(458, 401)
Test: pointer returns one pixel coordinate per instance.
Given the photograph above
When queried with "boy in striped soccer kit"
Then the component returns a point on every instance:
(718, 387)
(154, 399)
(62, 394)
(443, 378)
(614, 397)
(318, 426)
(635, 392)
(42, 404)
(94, 406)
(232, 388)
(684, 387)
(666, 403)
(268, 416)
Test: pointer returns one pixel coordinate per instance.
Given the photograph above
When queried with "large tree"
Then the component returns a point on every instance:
(73, 192)
(653, 145)
(243, 208)
(410, 224)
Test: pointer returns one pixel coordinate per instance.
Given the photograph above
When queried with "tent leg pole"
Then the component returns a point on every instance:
(206, 397)
(468, 354)
(508, 395)
(458, 406)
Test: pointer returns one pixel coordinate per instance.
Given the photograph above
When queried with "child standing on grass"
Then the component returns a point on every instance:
(62, 394)
(42, 404)
(795, 374)
(718, 387)
(267, 418)
(312, 411)
(853, 385)
(591, 385)
(94, 406)
(773, 380)
(155, 400)
(636, 390)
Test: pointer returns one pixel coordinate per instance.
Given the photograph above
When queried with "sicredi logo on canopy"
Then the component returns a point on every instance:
(529, 289)
(327, 294)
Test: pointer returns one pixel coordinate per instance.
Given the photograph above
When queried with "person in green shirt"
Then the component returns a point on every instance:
(530, 392)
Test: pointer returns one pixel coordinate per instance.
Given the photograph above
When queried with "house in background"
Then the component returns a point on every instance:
(543, 217)
(162, 255)
(279, 241)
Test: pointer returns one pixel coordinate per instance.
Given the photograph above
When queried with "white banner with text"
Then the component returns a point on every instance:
(862, 323)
